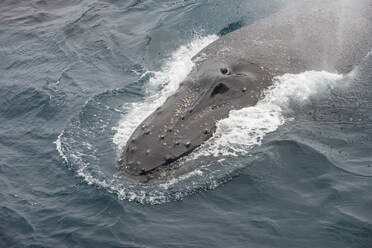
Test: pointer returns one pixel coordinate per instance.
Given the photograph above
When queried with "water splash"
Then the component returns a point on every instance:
(247, 127)
(168, 80)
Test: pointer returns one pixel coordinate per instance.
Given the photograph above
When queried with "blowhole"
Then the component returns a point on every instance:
(219, 89)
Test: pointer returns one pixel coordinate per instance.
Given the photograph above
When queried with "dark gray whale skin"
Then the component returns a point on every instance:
(232, 73)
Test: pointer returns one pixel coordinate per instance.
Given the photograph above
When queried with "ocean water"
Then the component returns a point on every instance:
(77, 77)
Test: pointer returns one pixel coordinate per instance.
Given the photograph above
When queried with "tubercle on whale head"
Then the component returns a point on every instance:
(188, 118)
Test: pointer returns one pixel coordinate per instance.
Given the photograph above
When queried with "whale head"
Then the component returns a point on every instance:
(188, 118)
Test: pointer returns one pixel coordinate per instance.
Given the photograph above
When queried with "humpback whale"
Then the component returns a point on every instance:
(232, 73)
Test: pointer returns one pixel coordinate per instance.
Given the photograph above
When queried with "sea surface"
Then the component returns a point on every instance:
(78, 76)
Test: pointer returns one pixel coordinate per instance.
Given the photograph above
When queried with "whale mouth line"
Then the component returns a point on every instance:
(146, 175)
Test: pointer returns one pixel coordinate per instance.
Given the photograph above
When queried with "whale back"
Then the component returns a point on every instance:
(331, 35)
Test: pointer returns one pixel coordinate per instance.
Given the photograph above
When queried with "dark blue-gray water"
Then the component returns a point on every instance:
(67, 68)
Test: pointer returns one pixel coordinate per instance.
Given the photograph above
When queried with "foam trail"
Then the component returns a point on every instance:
(246, 127)
(169, 79)
(59, 148)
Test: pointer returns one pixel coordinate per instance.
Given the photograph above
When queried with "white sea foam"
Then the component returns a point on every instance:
(58, 144)
(168, 79)
(246, 127)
